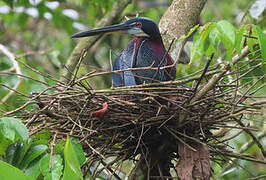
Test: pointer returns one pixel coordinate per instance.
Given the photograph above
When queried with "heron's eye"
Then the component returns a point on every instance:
(138, 24)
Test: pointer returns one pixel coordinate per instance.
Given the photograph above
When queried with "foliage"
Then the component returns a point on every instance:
(30, 158)
(208, 39)
(56, 167)
(44, 42)
(72, 169)
(10, 172)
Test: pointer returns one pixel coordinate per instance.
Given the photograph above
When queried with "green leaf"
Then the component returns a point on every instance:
(196, 50)
(56, 168)
(41, 137)
(4, 143)
(6, 131)
(59, 147)
(78, 150)
(33, 170)
(10, 125)
(214, 37)
(240, 39)
(227, 36)
(250, 43)
(10, 153)
(15, 153)
(262, 41)
(210, 50)
(24, 3)
(227, 30)
(200, 42)
(9, 172)
(33, 153)
(72, 168)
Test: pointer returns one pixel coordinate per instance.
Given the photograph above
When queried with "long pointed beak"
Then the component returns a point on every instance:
(98, 31)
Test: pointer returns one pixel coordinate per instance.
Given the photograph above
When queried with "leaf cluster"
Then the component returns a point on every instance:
(25, 157)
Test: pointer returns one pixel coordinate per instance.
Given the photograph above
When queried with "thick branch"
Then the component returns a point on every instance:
(179, 18)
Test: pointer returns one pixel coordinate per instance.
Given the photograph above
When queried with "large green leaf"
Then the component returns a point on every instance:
(56, 167)
(210, 50)
(214, 37)
(227, 36)
(72, 168)
(33, 153)
(78, 150)
(262, 41)
(10, 126)
(9, 172)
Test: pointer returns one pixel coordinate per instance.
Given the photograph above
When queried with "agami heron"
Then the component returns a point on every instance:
(146, 49)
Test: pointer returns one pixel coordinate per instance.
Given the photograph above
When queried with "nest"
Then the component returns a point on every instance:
(157, 126)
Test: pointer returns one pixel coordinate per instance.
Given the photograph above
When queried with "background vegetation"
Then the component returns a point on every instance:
(38, 33)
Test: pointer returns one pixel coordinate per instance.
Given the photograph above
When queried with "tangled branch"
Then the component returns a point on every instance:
(154, 125)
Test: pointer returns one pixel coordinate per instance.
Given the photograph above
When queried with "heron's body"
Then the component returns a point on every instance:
(145, 51)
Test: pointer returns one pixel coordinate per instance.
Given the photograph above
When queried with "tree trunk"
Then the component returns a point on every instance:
(179, 18)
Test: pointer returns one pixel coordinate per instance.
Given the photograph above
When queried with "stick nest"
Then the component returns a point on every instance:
(149, 122)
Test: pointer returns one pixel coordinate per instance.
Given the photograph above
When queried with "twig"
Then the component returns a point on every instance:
(11, 56)
(82, 56)
(18, 109)
(24, 76)
(258, 177)
(246, 92)
(211, 83)
(140, 136)
(253, 137)
(241, 156)
(107, 166)
(164, 58)
(95, 151)
(243, 149)
(51, 152)
(179, 139)
(203, 73)
(243, 54)
(177, 82)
